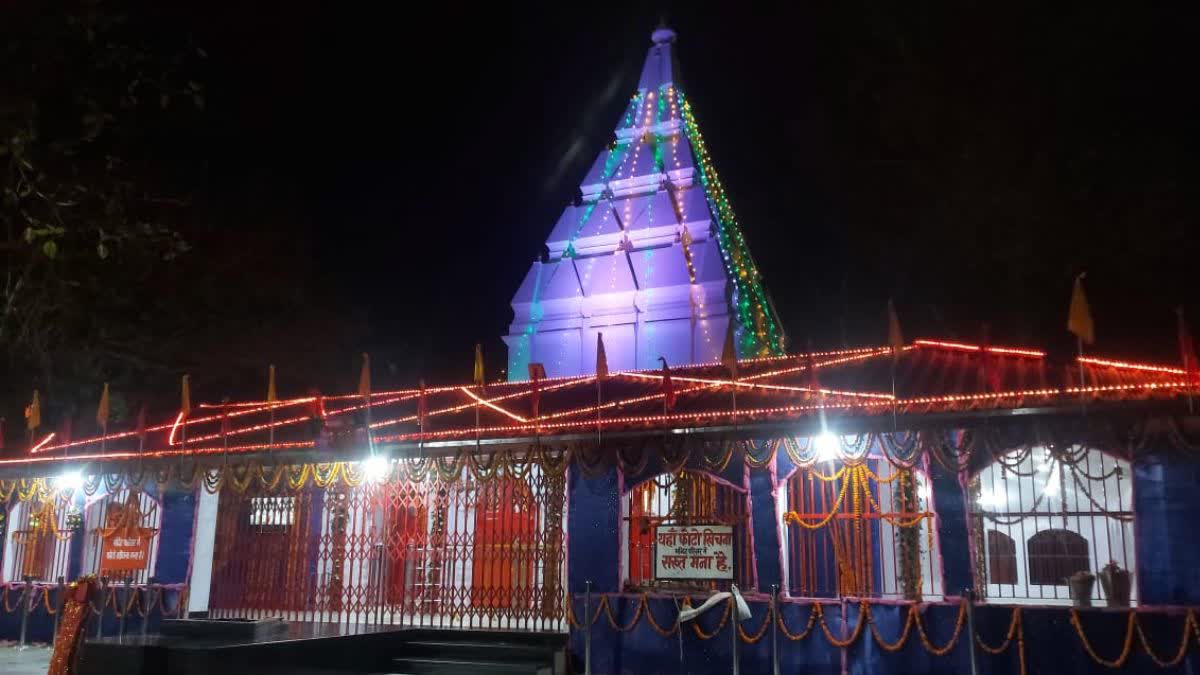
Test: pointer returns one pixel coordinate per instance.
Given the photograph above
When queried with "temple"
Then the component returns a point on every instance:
(916, 506)
(650, 254)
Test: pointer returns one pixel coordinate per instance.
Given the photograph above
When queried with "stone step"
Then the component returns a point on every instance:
(481, 650)
(429, 665)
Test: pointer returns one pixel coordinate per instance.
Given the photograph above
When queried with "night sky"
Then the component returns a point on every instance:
(966, 163)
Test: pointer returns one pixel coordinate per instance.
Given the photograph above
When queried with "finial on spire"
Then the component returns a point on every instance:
(663, 34)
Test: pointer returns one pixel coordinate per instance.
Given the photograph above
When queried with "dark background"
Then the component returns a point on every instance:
(388, 176)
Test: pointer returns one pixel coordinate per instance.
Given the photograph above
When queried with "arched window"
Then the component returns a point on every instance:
(38, 541)
(1040, 514)
(1002, 558)
(1055, 555)
(886, 548)
(685, 499)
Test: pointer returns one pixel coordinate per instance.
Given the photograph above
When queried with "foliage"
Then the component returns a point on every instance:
(91, 172)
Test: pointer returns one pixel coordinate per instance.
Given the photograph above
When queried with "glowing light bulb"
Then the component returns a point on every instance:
(1052, 482)
(989, 499)
(69, 480)
(828, 447)
(376, 468)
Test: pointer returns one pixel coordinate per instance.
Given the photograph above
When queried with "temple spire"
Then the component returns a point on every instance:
(651, 252)
(661, 67)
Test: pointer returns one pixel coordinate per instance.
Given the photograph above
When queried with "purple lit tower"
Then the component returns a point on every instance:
(652, 257)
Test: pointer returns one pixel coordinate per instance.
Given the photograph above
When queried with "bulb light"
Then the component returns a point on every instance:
(69, 480)
(828, 447)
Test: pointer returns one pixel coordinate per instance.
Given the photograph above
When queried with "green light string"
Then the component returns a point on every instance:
(750, 300)
(611, 164)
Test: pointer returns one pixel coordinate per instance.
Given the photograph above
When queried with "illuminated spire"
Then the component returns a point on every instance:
(651, 255)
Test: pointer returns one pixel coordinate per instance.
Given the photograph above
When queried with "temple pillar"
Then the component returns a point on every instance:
(1165, 503)
(765, 521)
(593, 526)
(950, 507)
(202, 550)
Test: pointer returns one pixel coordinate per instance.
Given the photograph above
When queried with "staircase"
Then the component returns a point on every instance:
(463, 652)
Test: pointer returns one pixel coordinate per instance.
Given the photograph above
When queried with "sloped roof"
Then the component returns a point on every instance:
(930, 377)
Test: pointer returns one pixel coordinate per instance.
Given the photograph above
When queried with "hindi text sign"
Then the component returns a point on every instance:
(693, 552)
(124, 552)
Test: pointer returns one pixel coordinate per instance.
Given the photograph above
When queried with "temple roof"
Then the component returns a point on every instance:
(931, 378)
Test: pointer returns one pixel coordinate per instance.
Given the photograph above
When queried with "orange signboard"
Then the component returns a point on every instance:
(124, 552)
(124, 543)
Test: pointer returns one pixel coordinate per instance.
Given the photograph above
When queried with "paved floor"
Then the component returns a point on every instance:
(30, 661)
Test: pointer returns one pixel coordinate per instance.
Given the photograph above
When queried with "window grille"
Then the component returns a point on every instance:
(1040, 515)
(687, 498)
(105, 512)
(38, 541)
(859, 530)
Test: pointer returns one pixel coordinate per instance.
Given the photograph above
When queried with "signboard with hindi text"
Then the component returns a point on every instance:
(693, 552)
(124, 552)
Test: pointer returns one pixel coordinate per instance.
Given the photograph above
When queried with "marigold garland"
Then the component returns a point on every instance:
(794, 637)
(762, 630)
(1126, 646)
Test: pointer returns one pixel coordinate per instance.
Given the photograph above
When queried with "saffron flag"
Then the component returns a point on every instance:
(895, 337)
(185, 396)
(668, 386)
(479, 364)
(102, 409)
(271, 384)
(729, 351)
(537, 373)
(1187, 351)
(1079, 317)
(33, 413)
(422, 404)
(601, 358)
(364, 378)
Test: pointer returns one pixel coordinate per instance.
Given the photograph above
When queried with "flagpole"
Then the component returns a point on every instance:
(1082, 398)
(895, 425)
(599, 398)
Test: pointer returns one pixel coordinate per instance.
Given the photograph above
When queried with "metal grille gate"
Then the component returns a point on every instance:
(451, 551)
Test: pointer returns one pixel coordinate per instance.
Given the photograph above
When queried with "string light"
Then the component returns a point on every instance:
(568, 419)
(39, 446)
(1125, 365)
(69, 480)
(762, 335)
(963, 347)
(376, 468)
(491, 405)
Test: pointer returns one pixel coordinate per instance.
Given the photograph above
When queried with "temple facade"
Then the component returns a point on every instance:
(650, 255)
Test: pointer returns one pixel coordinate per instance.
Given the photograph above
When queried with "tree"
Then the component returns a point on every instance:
(96, 183)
